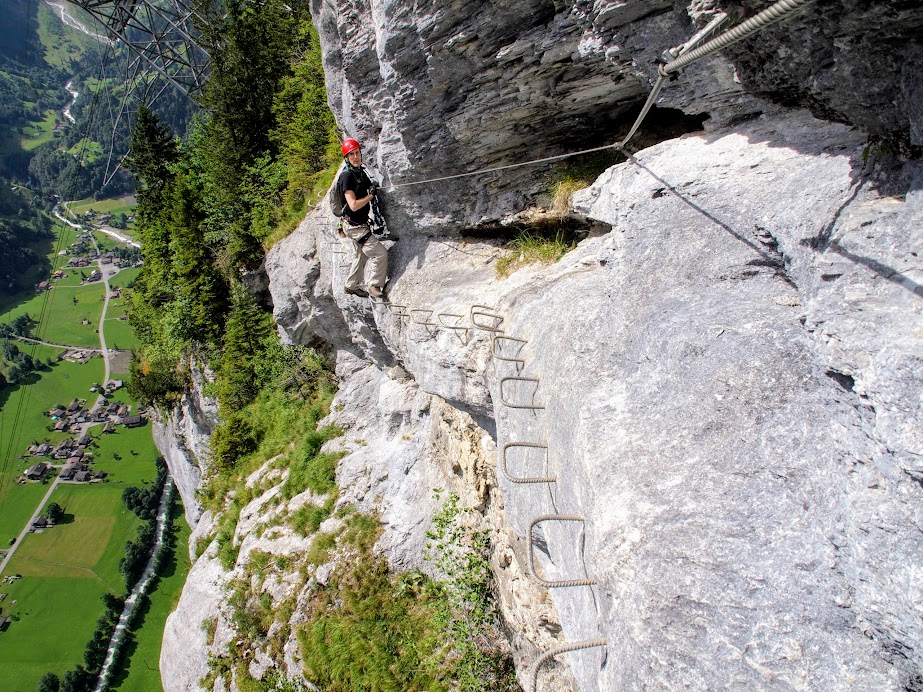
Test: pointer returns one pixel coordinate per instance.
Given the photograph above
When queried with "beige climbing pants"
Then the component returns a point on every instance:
(371, 252)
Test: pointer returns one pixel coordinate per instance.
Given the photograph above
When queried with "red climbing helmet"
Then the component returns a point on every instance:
(349, 145)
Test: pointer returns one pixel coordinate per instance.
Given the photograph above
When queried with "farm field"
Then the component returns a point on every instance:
(63, 310)
(77, 559)
(65, 570)
(22, 422)
(115, 205)
(39, 133)
(119, 334)
(64, 236)
(87, 150)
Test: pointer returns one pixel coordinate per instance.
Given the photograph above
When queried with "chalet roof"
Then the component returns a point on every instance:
(81, 475)
(38, 469)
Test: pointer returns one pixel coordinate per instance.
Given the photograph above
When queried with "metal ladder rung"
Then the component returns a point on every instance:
(554, 583)
(399, 310)
(489, 313)
(426, 322)
(525, 479)
(442, 316)
(519, 379)
(563, 649)
(498, 356)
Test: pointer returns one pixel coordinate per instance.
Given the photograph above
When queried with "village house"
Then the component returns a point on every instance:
(40, 523)
(63, 449)
(67, 472)
(82, 476)
(62, 426)
(123, 410)
(73, 407)
(117, 293)
(42, 286)
(37, 472)
(55, 413)
(109, 428)
(95, 275)
(41, 450)
(84, 440)
(4, 623)
(132, 421)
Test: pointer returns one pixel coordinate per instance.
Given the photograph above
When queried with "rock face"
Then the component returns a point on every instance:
(710, 411)
(727, 385)
(456, 87)
(182, 439)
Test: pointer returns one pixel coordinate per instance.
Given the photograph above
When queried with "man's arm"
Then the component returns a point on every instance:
(356, 204)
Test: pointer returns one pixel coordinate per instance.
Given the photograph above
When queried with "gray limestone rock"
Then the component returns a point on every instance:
(728, 388)
(451, 88)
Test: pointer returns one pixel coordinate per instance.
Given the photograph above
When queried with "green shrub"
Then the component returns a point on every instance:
(307, 519)
(532, 247)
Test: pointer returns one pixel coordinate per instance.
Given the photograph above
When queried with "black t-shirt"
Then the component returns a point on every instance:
(358, 181)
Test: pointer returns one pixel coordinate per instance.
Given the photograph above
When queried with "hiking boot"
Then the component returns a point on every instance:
(375, 292)
(357, 292)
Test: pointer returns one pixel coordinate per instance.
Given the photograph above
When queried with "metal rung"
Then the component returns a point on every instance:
(399, 310)
(425, 323)
(449, 315)
(489, 313)
(519, 379)
(566, 648)
(498, 356)
(520, 479)
(460, 331)
(560, 582)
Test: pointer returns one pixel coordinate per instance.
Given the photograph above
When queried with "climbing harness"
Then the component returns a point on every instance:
(672, 61)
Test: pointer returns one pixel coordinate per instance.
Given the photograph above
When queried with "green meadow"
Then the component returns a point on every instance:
(22, 422)
(87, 150)
(119, 334)
(38, 133)
(114, 205)
(77, 559)
(67, 315)
(65, 570)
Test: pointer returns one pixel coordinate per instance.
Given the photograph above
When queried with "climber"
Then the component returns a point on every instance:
(359, 191)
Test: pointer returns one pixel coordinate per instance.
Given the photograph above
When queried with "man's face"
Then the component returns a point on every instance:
(355, 158)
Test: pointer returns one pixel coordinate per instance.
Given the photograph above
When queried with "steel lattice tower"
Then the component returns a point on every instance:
(160, 35)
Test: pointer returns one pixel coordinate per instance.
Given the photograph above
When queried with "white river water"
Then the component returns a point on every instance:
(121, 629)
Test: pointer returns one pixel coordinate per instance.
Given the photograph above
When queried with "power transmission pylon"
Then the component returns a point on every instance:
(161, 35)
(162, 49)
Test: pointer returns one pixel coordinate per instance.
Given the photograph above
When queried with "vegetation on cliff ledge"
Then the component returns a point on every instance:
(209, 206)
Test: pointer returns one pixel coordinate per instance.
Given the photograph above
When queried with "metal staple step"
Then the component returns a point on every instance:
(524, 479)
(553, 583)
(563, 649)
(519, 379)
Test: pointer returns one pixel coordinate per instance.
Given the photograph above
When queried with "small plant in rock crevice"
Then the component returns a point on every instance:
(531, 247)
(469, 618)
